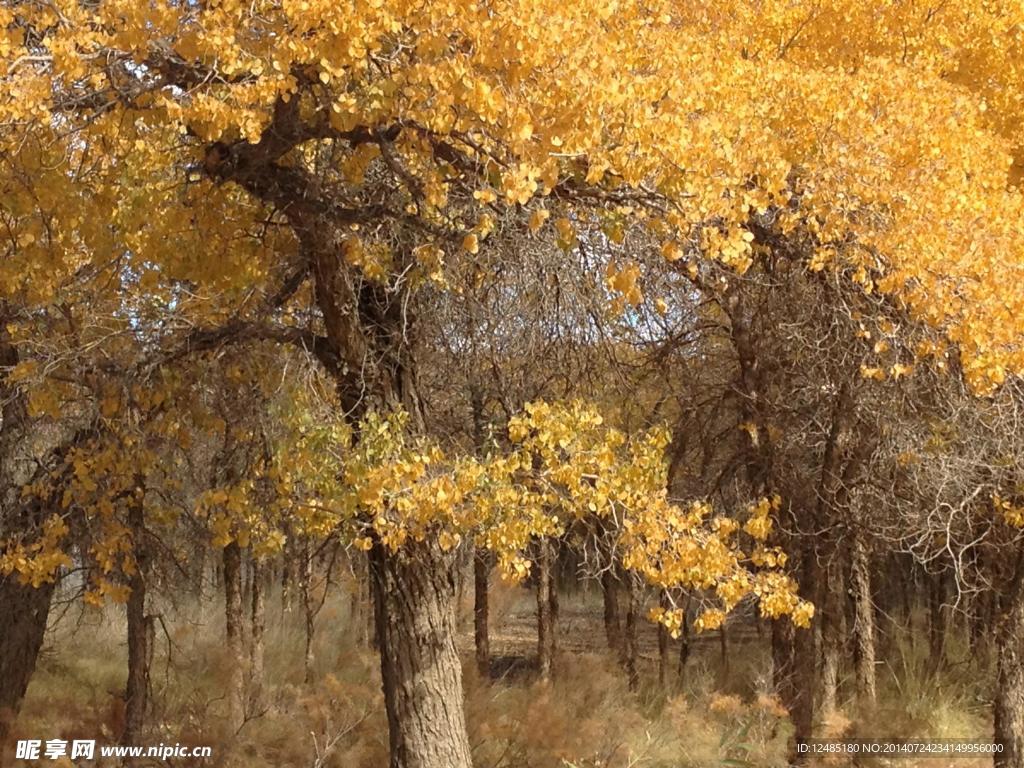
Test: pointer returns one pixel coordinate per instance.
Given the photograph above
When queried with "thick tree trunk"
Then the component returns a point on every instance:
(233, 635)
(1009, 700)
(545, 613)
(481, 611)
(795, 665)
(789, 662)
(258, 621)
(863, 624)
(137, 688)
(246, 579)
(806, 670)
(414, 592)
(24, 611)
(367, 346)
(612, 619)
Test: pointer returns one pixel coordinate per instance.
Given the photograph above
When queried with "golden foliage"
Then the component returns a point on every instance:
(887, 134)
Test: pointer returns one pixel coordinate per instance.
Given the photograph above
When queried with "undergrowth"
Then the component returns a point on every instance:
(718, 713)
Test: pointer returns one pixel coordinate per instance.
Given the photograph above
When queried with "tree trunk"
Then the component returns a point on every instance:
(24, 610)
(553, 557)
(367, 347)
(832, 635)
(663, 645)
(806, 670)
(980, 626)
(789, 673)
(288, 572)
(936, 620)
(723, 653)
(795, 665)
(414, 591)
(782, 660)
(246, 580)
(684, 642)
(137, 688)
(308, 611)
(545, 614)
(361, 602)
(481, 557)
(629, 639)
(612, 620)
(863, 624)
(233, 635)
(481, 611)
(1009, 700)
(258, 620)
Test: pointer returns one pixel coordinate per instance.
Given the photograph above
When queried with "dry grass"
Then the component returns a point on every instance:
(716, 715)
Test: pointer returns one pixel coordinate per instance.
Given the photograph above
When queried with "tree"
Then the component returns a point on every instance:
(315, 175)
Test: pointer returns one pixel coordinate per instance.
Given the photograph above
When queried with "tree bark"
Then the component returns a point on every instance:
(629, 638)
(308, 611)
(806, 670)
(832, 635)
(137, 687)
(288, 571)
(258, 620)
(1009, 699)
(233, 635)
(555, 553)
(25, 611)
(663, 645)
(246, 579)
(723, 652)
(612, 619)
(794, 663)
(481, 611)
(684, 642)
(414, 592)
(545, 614)
(481, 557)
(863, 624)
(787, 660)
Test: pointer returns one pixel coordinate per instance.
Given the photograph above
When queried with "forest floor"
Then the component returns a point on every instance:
(716, 714)
(581, 631)
(727, 678)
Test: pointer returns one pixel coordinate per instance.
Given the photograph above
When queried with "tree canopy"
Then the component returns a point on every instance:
(367, 184)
